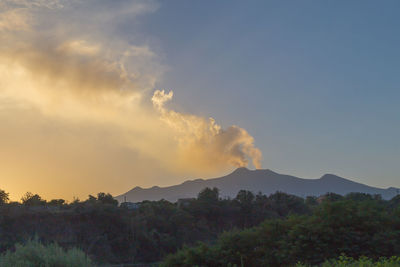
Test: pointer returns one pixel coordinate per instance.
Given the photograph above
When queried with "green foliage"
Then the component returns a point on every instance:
(311, 201)
(245, 197)
(249, 230)
(394, 202)
(363, 197)
(33, 253)
(284, 204)
(331, 197)
(112, 234)
(355, 227)
(208, 195)
(344, 261)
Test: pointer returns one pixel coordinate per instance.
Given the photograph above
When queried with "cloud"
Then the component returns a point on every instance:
(75, 106)
(15, 19)
(203, 143)
(17, 15)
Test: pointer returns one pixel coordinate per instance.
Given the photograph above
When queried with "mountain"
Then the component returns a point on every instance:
(265, 181)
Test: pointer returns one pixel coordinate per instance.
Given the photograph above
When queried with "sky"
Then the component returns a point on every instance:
(103, 96)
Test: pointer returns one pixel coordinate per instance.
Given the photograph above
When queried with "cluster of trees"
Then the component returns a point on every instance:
(356, 225)
(109, 233)
(30, 200)
(251, 229)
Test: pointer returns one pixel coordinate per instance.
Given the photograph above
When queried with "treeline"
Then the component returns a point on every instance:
(109, 233)
(356, 225)
(253, 229)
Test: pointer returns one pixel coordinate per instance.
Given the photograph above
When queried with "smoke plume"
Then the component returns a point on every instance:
(202, 140)
(74, 107)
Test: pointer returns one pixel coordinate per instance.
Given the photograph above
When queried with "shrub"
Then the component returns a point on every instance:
(344, 261)
(33, 253)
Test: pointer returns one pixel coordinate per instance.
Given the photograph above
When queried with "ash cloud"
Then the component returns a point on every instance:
(204, 141)
(74, 105)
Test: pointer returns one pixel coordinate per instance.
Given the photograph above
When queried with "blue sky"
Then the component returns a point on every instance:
(315, 82)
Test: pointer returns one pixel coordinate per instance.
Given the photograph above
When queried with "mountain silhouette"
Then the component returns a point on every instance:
(264, 181)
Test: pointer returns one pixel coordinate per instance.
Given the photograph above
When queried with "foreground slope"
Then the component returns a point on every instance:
(265, 181)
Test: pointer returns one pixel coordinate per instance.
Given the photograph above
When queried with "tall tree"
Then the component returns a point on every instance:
(208, 195)
(4, 197)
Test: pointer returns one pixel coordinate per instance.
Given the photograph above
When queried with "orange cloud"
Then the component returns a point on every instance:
(77, 119)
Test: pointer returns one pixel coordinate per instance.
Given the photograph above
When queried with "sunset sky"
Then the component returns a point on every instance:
(105, 95)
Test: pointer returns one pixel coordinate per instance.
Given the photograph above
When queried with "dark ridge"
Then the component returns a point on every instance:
(261, 180)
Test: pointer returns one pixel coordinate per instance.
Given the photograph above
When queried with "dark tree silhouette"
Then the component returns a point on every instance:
(30, 199)
(4, 197)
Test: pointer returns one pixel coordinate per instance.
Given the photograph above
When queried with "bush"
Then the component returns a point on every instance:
(344, 261)
(33, 253)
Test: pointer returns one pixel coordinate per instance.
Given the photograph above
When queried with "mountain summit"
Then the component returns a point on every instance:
(264, 181)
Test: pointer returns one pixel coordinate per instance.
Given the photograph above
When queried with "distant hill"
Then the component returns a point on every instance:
(265, 181)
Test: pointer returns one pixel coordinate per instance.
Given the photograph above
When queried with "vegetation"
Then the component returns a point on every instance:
(356, 225)
(344, 261)
(30, 199)
(33, 253)
(249, 230)
(3, 197)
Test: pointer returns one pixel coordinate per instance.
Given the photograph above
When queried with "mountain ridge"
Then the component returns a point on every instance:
(265, 181)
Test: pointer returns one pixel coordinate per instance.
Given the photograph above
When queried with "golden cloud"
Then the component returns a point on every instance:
(75, 112)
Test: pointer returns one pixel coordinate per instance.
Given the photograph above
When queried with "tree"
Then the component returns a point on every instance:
(311, 201)
(352, 227)
(245, 197)
(357, 196)
(331, 197)
(245, 200)
(104, 198)
(91, 200)
(3, 197)
(285, 204)
(208, 206)
(208, 195)
(394, 202)
(30, 199)
(57, 202)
